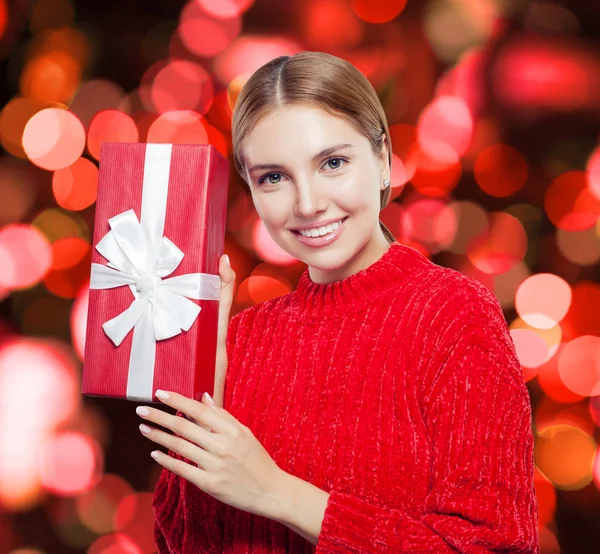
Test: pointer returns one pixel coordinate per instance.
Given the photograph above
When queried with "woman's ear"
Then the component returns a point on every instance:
(384, 158)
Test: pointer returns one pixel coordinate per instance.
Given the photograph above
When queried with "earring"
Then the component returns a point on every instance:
(386, 182)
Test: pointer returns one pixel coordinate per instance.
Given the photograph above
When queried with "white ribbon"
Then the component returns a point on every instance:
(140, 256)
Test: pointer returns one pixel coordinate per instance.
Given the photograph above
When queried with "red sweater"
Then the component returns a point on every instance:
(398, 391)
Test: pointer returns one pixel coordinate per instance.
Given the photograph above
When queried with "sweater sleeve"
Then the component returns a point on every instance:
(186, 519)
(482, 497)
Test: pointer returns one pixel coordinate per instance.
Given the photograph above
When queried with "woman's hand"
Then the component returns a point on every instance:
(227, 461)
(227, 285)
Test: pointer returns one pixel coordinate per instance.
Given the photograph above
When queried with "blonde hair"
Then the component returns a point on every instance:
(321, 80)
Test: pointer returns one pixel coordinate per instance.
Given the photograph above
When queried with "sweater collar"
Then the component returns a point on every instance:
(392, 269)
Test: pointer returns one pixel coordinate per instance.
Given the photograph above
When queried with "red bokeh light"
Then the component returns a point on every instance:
(110, 126)
(500, 170)
(75, 187)
(377, 11)
(183, 126)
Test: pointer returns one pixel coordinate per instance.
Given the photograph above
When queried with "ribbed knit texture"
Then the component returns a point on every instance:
(398, 391)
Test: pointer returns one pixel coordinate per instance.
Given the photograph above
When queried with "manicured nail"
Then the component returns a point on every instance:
(162, 394)
(209, 399)
(144, 429)
(227, 261)
(142, 411)
(155, 454)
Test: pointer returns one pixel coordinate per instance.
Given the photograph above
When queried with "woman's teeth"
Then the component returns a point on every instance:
(321, 231)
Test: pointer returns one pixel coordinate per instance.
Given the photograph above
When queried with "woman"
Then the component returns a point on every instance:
(380, 407)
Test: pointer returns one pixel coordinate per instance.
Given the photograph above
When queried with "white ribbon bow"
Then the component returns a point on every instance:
(134, 263)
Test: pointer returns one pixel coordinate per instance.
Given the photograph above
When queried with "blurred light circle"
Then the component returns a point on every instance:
(96, 95)
(53, 138)
(472, 220)
(582, 317)
(57, 223)
(3, 17)
(500, 170)
(320, 34)
(267, 248)
(506, 284)
(178, 127)
(434, 166)
(593, 172)
(75, 187)
(550, 382)
(225, 9)
(135, 517)
(37, 372)
(51, 77)
(447, 119)
(117, 543)
(565, 455)
(249, 52)
(25, 256)
(265, 287)
(182, 85)
(429, 221)
(66, 283)
(453, 28)
(204, 34)
(96, 508)
(543, 300)
(500, 246)
(13, 118)
(579, 247)
(570, 204)
(377, 11)
(18, 189)
(531, 348)
(579, 365)
(391, 216)
(110, 126)
(68, 252)
(69, 463)
(78, 320)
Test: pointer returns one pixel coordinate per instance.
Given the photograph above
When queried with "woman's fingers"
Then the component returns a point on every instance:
(227, 285)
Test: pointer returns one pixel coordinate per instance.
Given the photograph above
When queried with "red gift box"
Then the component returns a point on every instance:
(154, 287)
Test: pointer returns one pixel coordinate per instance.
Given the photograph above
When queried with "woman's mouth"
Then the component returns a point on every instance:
(322, 240)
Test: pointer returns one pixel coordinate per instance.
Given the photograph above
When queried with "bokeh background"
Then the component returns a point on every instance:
(494, 110)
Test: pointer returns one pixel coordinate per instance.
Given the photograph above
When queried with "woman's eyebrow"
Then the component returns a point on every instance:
(321, 154)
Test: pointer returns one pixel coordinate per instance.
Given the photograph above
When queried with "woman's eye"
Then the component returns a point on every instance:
(337, 165)
(268, 176)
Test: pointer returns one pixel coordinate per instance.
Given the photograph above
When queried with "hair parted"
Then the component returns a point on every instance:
(319, 79)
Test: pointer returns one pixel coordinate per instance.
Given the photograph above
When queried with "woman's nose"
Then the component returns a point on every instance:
(309, 199)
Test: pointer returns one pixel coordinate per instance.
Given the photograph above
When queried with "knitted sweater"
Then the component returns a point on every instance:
(398, 391)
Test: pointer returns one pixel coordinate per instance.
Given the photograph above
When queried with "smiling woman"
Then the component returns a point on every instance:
(380, 406)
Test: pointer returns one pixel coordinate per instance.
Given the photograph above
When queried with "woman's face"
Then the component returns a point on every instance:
(305, 167)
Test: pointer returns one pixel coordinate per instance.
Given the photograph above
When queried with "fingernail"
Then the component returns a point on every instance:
(209, 399)
(227, 260)
(144, 429)
(142, 411)
(155, 454)
(161, 394)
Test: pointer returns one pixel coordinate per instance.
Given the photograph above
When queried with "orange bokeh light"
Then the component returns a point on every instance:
(52, 77)
(53, 138)
(75, 187)
(579, 365)
(13, 118)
